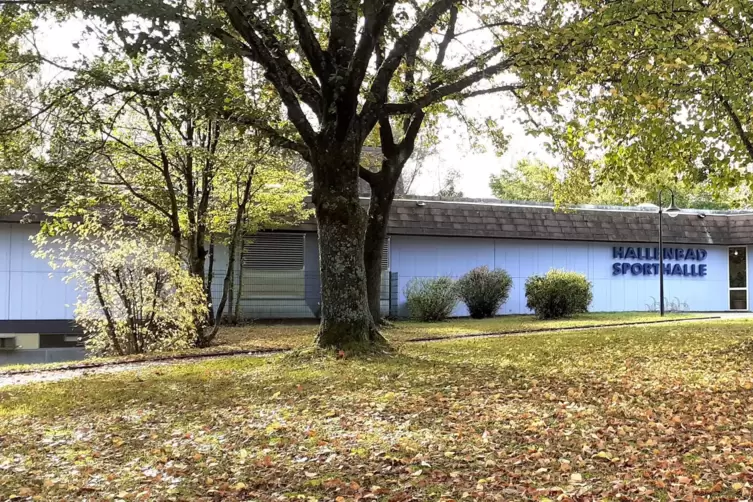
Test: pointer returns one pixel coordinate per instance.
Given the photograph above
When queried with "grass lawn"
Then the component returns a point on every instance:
(262, 336)
(277, 336)
(661, 412)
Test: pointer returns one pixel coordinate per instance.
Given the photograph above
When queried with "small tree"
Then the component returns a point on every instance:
(431, 299)
(558, 293)
(135, 296)
(484, 291)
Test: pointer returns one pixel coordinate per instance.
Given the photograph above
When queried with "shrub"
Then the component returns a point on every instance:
(431, 299)
(484, 291)
(558, 293)
(135, 297)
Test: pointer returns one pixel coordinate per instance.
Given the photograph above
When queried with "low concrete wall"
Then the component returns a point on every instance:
(39, 356)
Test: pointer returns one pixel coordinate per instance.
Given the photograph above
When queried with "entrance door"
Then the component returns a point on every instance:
(738, 278)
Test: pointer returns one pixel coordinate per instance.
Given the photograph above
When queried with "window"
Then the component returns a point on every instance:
(385, 287)
(738, 278)
(273, 266)
(274, 252)
(59, 340)
(7, 343)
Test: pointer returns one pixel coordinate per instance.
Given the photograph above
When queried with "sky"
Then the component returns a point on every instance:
(454, 151)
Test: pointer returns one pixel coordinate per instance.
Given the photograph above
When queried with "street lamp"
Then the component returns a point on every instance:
(672, 211)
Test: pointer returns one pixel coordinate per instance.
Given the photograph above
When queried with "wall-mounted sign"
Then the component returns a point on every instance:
(686, 255)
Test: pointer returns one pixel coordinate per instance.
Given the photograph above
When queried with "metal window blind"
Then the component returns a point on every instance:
(386, 254)
(274, 252)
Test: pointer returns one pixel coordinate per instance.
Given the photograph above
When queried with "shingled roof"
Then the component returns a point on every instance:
(520, 221)
(508, 220)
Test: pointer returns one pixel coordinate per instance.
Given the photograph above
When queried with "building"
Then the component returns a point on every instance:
(616, 248)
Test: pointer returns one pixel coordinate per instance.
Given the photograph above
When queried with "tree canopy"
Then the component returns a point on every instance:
(640, 83)
(536, 181)
(668, 89)
(340, 71)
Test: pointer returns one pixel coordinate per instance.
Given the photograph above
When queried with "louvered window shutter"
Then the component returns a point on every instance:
(386, 255)
(274, 252)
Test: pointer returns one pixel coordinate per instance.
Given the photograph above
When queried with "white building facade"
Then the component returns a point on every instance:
(706, 263)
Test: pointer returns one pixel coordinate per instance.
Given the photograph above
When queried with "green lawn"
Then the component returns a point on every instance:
(276, 336)
(286, 336)
(662, 412)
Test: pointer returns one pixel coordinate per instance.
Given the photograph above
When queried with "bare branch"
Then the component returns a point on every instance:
(275, 69)
(448, 36)
(369, 177)
(380, 85)
(316, 57)
(276, 137)
(375, 20)
(452, 90)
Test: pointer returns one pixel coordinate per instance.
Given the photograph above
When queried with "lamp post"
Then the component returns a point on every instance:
(672, 211)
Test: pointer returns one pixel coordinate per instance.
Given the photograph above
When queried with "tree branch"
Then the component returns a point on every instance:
(276, 137)
(448, 36)
(375, 20)
(380, 85)
(369, 177)
(443, 92)
(342, 31)
(275, 70)
(741, 132)
(316, 57)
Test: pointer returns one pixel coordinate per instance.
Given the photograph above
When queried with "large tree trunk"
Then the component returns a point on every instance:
(346, 321)
(376, 233)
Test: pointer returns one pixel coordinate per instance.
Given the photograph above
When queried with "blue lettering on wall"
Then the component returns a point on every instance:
(652, 254)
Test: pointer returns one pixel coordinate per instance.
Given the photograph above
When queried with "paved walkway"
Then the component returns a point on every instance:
(65, 374)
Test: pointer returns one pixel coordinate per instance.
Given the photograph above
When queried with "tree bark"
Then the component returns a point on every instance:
(210, 278)
(376, 233)
(206, 338)
(239, 289)
(346, 322)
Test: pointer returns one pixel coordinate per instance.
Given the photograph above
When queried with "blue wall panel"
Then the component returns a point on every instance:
(432, 257)
(29, 288)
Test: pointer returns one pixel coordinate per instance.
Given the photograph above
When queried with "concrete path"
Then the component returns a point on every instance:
(66, 374)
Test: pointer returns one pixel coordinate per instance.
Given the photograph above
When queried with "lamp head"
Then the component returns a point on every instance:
(672, 211)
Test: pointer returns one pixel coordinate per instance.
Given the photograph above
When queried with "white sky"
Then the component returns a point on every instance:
(454, 152)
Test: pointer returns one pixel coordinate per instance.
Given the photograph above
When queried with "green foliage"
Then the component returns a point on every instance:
(535, 181)
(654, 87)
(558, 293)
(531, 180)
(134, 296)
(431, 299)
(484, 291)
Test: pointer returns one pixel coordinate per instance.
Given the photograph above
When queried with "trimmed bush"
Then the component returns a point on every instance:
(431, 299)
(558, 293)
(484, 291)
